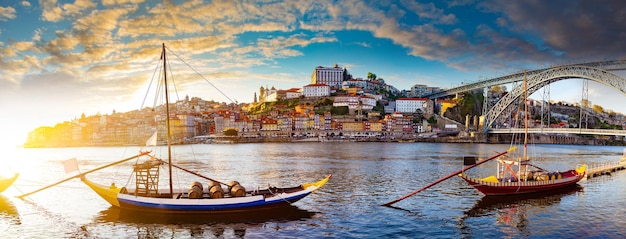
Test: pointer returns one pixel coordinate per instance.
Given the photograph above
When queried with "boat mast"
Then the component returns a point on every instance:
(167, 119)
(525, 117)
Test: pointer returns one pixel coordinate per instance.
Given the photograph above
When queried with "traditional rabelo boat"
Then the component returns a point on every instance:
(216, 197)
(516, 175)
(7, 182)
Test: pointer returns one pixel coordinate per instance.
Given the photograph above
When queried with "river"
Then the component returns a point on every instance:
(365, 175)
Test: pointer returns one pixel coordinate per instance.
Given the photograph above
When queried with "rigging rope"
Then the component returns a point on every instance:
(197, 73)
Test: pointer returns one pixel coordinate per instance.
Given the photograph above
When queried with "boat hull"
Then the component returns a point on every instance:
(521, 187)
(7, 182)
(176, 204)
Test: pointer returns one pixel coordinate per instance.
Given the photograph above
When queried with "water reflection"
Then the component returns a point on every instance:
(8, 212)
(155, 225)
(512, 211)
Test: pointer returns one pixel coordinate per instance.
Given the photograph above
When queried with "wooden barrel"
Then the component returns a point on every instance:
(216, 191)
(231, 184)
(237, 191)
(540, 176)
(213, 183)
(197, 184)
(195, 193)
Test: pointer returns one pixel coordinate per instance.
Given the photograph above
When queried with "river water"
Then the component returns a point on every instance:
(365, 175)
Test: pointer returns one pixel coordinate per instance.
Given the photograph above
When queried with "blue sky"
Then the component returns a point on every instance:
(59, 59)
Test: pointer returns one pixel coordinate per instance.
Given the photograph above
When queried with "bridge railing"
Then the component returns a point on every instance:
(559, 131)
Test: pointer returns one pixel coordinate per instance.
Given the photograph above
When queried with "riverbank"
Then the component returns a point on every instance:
(432, 138)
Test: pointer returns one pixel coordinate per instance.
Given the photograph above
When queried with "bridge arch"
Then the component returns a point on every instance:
(505, 106)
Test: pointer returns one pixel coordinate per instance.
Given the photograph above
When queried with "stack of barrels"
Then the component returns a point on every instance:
(215, 190)
(543, 176)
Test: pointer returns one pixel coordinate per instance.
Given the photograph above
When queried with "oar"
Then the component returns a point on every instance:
(81, 174)
(449, 176)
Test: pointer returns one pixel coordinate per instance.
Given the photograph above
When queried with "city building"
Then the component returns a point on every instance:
(316, 90)
(331, 76)
(411, 105)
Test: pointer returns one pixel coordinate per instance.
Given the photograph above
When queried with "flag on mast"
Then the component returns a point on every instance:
(152, 141)
(70, 165)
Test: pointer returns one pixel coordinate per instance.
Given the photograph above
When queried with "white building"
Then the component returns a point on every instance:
(293, 93)
(411, 105)
(331, 76)
(316, 90)
(354, 102)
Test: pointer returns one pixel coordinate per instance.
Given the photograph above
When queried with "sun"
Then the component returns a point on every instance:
(11, 142)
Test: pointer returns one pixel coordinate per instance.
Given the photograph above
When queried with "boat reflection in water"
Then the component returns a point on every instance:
(513, 210)
(156, 224)
(8, 212)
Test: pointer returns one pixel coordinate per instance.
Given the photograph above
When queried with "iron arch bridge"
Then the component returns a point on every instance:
(505, 106)
(536, 79)
(613, 65)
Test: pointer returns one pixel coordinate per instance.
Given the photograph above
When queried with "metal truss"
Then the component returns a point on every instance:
(611, 65)
(537, 80)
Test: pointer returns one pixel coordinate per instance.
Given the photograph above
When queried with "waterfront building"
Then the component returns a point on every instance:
(352, 126)
(269, 124)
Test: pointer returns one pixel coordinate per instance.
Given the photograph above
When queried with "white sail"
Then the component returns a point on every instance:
(152, 141)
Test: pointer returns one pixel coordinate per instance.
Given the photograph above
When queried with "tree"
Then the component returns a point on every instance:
(371, 76)
(598, 109)
(498, 89)
(231, 132)
(585, 103)
(432, 120)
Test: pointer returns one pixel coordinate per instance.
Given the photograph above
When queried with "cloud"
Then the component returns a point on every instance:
(430, 11)
(25, 3)
(54, 12)
(120, 2)
(123, 36)
(576, 29)
(7, 13)
(50, 11)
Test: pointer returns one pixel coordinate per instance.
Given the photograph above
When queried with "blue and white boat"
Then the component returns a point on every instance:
(216, 197)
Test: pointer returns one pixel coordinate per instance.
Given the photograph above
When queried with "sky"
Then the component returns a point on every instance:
(60, 59)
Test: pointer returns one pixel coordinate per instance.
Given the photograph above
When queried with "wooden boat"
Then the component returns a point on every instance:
(147, 196)
(7, 182)
(180, 201)
(547, 181)
(518, 175)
